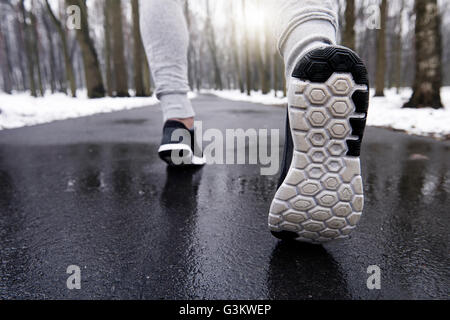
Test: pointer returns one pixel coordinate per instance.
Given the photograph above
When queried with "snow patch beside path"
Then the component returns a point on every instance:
(255, 97)
(384, 112)
(20, 109)
(387, 112)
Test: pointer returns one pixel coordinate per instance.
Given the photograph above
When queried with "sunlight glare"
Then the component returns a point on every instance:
(255, 16)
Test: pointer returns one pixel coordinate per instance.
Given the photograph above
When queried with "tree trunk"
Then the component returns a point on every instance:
(138, 51)
(349, 31)
(198, 67)
(267, 59)
(259, 66)
(381, 53)
(237, 65)
(279, 73)
(51, 56)
(20, 42)
(120, 70)
(247, 55)
(428, 42)
(28, 49)
(61, 73)
(275, 72)
(37, 59)
(108, 69)
(7, 72)
(213, 48)
(399, 48)
(146, 74)
(93, 76)
(67, 61)
(235, 51)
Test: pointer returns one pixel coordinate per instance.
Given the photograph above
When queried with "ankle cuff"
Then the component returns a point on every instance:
(176, 106)
(296, 45)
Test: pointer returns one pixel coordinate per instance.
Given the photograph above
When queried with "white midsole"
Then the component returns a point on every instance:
(198, 161)
(175, 147)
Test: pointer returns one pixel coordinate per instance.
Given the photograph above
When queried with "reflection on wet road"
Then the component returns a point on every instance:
(92, 192)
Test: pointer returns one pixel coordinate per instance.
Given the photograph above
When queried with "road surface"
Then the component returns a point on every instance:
(92, 192)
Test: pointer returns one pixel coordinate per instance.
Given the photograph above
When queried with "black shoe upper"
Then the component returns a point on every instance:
(174, 133)
(288, 152)
(183, 135)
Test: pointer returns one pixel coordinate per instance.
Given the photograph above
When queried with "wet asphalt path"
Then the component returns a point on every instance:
(91, 192)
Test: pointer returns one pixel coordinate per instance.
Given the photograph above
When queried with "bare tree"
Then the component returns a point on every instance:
(399, 47)
(259, 66)
(93, 76)
(107, 49)
(139, 54)
(28, 48)
(35, 44)
(348, 39)
(268, 54)
(247, 54)
(51, 55)
(21, 49)
(381, 53)
(235, 49)
(7, 71)
(211, 40)
(428, 79)
(42, 53)
(120, 70)
(67, 61)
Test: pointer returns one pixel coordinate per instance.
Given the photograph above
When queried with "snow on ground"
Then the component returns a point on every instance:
(387, 112)
(384, 112)
(20, 109)
(256, 97)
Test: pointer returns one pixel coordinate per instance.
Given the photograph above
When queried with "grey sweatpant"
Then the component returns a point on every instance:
(300, 25)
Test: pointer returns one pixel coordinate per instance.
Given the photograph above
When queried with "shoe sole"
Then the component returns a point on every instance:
(321, 198)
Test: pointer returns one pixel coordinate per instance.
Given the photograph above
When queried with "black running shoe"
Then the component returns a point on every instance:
(178, 146)
(320, 195)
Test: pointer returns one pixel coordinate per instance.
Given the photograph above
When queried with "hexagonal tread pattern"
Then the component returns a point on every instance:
(321, 198)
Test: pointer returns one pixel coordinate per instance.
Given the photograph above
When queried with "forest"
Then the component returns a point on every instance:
(404, 44)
